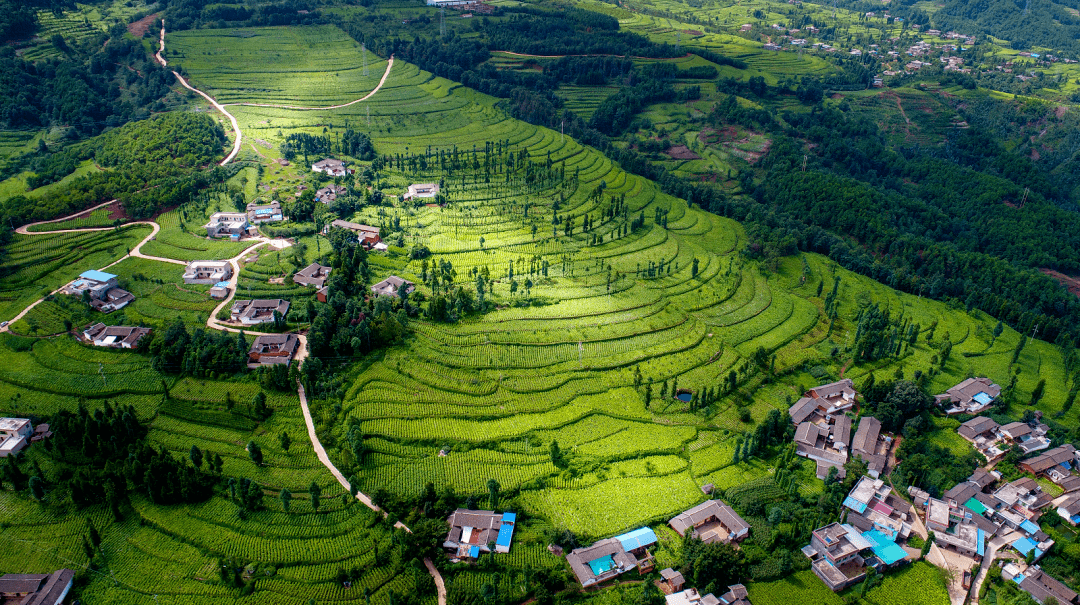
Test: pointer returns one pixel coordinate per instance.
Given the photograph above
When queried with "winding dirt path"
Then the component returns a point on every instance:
(386, 74)
(217, 106)
(23, 230)
(212, 322)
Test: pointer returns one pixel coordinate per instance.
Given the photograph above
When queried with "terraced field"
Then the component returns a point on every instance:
(487, 387)
(614, 316)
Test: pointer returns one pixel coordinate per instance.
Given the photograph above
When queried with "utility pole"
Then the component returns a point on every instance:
(363, 51)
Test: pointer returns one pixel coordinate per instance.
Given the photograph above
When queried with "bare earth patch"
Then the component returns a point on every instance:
(682, 152)
(1071, 283)
(139, 28)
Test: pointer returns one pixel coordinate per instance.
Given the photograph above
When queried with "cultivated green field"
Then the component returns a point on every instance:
(578, 355)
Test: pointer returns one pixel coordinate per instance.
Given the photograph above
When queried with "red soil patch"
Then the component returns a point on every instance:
(1071, 283)
(682, 152)
(139, 28)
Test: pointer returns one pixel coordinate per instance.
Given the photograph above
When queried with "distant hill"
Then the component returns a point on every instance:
(1024, 23)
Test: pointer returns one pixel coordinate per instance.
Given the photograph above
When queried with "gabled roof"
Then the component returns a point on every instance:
(802, 409)
(702, 513)
(1016, 429)
(1051, 458)
(977, 426)
(867, 435)
(1041, 586)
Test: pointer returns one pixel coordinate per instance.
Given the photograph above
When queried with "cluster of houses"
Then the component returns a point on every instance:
(475, 532)
(993, 440)
(877, 521)
(17, 433)
(823, 430)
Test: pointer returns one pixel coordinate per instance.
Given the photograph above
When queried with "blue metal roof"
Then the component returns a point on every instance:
(1029, 527)
(97, 275)
(854, 504)
(1024, 546)
(474, 552)
(983, 398)
(888, 551)
(638, 538)
(982, 542)
(506, 530)
(222, 284)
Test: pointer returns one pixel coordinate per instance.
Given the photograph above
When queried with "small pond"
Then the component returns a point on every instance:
(684, 396)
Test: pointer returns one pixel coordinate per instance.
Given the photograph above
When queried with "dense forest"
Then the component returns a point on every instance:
(102, 81)
(158, 163)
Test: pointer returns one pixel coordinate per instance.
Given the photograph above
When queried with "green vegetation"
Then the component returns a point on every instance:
(637, 260)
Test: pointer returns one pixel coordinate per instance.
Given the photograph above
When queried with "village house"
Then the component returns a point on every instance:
(473, 532)
(421, 191)
(736, 595)
(312, 275)
(391, 286)
(252, 312)
(220, 290)
(14, 435)
(227, 224)
(1068, 508)
(1042, 587)
(207, 272)
(273, 349)
(612, 557)
(962, 493)
(330, 193)
(366, 235)
(120, 337)
(873, 506)
(105, 295)
(323, 294)
(982, 432)
(823, 431)
(834, 554)
(870, 445)
(1024, 437)
(671, 581)
(36, 589)
(1024, 496)
(329, 166)
(971, 396)
(264, 213)
(711, 521)
(952, 530)
(1057, 462)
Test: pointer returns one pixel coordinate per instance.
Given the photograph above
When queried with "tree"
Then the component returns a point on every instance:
(255, 452)
(196, 456)
(258, 405)
(286, 498)
(558, 459)
(481, 242)
(315, 491)
(721, 564)
(283, 438)
(37, 488)
(694, 268)
(493, 493)
(1037, 394)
